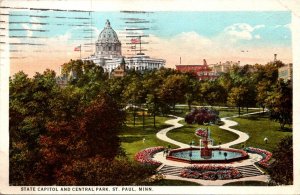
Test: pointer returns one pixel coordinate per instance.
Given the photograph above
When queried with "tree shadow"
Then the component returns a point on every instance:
(256, 117)
(130, 139)
(286, 129)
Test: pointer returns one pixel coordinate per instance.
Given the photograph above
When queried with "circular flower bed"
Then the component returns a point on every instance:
(264, 162)
(208, 172)
(201, 132)
(145, 156)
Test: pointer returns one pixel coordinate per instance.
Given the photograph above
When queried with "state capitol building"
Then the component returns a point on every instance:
(108, 54)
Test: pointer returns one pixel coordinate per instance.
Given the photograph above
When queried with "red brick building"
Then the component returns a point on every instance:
(203, 72)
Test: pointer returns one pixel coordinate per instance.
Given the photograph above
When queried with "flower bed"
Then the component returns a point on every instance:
(208, 172)
(264, 162)
(145, 156)
(201, 132)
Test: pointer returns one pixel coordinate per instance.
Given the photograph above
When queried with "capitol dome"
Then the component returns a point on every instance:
(108, 44)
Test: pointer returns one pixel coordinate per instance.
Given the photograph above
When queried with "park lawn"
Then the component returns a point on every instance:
(182, 111)
(186, 134)
(132, 136)
(258, 127)
(229, 112)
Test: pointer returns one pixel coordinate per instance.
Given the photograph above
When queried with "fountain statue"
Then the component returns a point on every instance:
(205, 152)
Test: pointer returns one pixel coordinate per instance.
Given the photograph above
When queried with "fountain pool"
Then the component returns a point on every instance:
(216, 155)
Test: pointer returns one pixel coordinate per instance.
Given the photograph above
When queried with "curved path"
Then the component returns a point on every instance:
(162, 135)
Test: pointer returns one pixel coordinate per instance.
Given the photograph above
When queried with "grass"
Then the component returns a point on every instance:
(186, 134)
(228, 112)
(169, 182)
(258, 127)
(223, 112)
(246, 183)
(132, 136)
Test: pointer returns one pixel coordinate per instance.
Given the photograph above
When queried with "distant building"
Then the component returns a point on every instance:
(120, 71)
(286, 72)
(203, 72)
(223, 67)
(109, 56)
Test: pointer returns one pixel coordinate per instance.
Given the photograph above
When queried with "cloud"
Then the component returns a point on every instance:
(193, 48)
(241, 31)
(257, 36)
(33, 25)
(288, 26)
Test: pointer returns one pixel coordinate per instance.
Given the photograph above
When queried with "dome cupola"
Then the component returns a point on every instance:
(108, 44)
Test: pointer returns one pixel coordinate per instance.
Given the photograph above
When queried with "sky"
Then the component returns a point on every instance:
(46, 39)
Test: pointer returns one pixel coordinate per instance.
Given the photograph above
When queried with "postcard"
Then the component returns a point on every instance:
(149, 97)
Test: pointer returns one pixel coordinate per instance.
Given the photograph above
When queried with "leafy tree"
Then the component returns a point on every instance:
(115, 88)
(174, 89)
(133, 94)
(102, 121)
(281, 170)
(32, 104)
(97, 171)
(236, 97)
(152, 105)
(64, 142)
(263, 90)
(212, 92)
(279, 103)
(88, 77)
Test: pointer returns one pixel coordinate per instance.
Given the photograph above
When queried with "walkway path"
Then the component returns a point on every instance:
(162, 135)
(229, 123)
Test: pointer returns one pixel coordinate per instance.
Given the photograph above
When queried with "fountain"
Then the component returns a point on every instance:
(205, 154)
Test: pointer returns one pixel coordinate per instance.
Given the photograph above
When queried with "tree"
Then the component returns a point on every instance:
(133, 95)
(174, 89)
(212, 92)
(236, 97)
(33, 103)
(87, 77)
(102, 121)
(152, 105)
(97, 171)
(263, 90)
(279, 103)
(281, 170)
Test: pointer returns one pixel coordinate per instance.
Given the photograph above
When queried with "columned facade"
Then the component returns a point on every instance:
(109, 54)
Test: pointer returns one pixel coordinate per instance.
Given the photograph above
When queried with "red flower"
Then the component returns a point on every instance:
(145, 156)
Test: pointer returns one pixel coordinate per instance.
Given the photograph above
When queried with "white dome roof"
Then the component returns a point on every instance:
(108, 35)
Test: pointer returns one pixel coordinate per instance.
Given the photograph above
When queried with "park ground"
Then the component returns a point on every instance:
(137, 137)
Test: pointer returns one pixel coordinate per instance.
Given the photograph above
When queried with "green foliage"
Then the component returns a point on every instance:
(281, 170)
(102, 121)
(98, 171)
(237, 96)
(258, 127)
(173, 89)
(279, 102)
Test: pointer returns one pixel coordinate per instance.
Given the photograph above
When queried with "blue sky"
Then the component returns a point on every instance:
(168, 24)
(194, 36)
